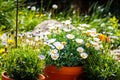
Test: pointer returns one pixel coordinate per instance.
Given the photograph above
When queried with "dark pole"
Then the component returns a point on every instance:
(16, 23)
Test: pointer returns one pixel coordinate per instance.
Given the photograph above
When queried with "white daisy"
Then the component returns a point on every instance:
(80, 28)
(67, 22)
(70, 36)
(55, 56)
(84, 55)
(51, 40)
(80, 49)
(66, 29)
(33, 8)
(42, 57)
(54, 6)
(80, 41)
(84, 25)
(58, 45)
(54, 51)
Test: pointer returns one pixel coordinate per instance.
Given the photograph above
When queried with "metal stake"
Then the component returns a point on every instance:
(16, 23)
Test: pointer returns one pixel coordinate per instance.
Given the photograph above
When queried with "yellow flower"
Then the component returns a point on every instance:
(2, 50)
(10, 41)
(64, 43)
(37, 15)
(41, 15)
(20, 12)
(87, 44)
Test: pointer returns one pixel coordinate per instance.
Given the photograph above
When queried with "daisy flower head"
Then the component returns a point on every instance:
(70, 36)
(58, 45)
(84, 55)
(80, 49)
(55, 56)
(80, 41)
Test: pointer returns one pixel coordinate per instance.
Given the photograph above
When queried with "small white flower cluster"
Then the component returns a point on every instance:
(54, 52)
(116, 54)
(54, 6)
(57, 46)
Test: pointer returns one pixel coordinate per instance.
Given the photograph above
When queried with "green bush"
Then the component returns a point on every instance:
(23, 64)
(102, 67)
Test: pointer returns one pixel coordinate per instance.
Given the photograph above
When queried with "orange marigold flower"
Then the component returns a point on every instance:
(102, 37)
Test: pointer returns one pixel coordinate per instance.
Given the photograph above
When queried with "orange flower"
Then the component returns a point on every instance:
(102, 37)
(108, 39)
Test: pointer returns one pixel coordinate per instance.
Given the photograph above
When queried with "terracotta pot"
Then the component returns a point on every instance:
(64, 73)
(5, 77)
(41, 77)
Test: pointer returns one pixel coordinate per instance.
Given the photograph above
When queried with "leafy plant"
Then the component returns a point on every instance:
(69, 46)
(5, 8)
(102, 67)
(23, 64)
(29, 19)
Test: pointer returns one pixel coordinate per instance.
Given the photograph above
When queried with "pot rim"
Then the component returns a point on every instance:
(4, 74)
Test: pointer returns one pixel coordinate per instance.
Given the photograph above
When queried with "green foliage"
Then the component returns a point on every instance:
(96, 11)
(7, 14)
(23, 64)
(6, 7)
(29, 19)
(102, 67)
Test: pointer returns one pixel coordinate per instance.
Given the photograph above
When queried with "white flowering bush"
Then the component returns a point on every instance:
(70, 46)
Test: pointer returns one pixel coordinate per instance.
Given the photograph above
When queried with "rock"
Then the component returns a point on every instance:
(48, 24)
(45, 25)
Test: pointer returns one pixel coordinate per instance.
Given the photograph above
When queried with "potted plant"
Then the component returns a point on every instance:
(69, 47)
(22, 64)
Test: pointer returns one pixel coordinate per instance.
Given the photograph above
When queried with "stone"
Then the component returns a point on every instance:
(47, 24)
(44, 26)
